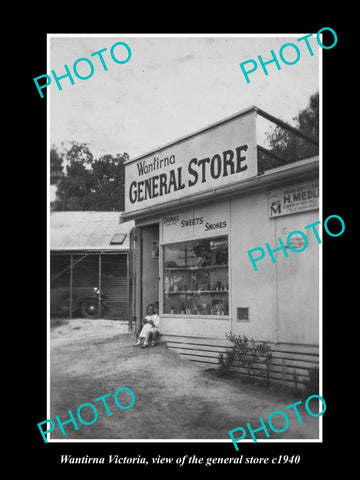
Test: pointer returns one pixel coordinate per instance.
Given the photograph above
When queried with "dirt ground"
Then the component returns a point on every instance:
(174, 398)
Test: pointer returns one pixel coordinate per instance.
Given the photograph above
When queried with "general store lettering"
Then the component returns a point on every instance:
(218, 166)
(229, 162)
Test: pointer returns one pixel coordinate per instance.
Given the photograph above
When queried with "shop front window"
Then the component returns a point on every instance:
(196, 277)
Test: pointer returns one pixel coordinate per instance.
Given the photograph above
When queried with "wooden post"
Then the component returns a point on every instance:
(130, 324)
(133, 277)
(139, 270)
(99, 297)
(283, 372)
(71, 286)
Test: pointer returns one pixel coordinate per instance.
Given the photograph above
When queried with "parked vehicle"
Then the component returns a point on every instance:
(94, 305)
(87, 301)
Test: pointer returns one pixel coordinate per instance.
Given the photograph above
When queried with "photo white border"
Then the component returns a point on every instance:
(186, 35)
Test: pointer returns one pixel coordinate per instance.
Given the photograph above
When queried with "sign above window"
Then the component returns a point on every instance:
(199, 222)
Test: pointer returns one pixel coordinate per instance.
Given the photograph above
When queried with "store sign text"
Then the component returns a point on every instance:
(189, 222)
(192, 221)
(171, 220)
(215, 226)
(299, 198)
(198, 171)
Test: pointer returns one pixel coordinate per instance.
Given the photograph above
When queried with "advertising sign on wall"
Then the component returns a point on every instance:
(297, 198)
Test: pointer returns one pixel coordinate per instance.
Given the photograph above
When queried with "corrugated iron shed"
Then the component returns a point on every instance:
(88, 231)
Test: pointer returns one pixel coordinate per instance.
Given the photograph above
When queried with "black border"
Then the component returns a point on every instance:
(338, 152)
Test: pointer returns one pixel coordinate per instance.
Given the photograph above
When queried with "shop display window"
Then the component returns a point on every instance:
(196, 277)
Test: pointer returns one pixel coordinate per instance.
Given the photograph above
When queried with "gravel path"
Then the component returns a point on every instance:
(174, 398)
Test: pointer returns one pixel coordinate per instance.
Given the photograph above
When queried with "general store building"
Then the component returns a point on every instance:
(200, 204)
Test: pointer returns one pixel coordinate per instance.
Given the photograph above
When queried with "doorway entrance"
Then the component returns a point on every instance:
(148, 268)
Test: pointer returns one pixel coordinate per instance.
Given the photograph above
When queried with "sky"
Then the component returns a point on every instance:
(170, 87)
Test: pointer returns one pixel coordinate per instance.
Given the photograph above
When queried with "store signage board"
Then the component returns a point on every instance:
(199, 222)
(218, 156)
(294, 199)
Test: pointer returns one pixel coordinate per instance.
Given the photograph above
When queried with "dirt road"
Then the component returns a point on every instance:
(175, 399)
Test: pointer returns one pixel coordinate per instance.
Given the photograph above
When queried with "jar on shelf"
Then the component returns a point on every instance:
(219, 309)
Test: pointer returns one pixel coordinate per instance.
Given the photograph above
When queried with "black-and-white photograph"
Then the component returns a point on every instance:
(187, 246)
(185, 237)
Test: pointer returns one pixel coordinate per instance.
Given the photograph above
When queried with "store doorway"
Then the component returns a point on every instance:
(149, 269)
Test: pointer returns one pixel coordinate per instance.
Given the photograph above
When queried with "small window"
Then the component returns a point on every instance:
(118, 239)
(242, 314)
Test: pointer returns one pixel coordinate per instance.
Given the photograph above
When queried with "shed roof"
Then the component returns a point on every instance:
(86, 231)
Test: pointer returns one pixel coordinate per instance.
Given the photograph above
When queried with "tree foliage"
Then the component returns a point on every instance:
(87, 183)
(56, 161)
(285, 145)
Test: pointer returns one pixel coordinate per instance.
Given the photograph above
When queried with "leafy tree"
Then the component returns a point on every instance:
(56, 165)
(88, 183)
(108, 190)
(285, 146)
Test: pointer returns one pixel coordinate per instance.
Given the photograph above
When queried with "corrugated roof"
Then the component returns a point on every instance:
(87, 231)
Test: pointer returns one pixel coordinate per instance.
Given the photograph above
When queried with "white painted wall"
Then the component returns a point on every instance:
(282, 297)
